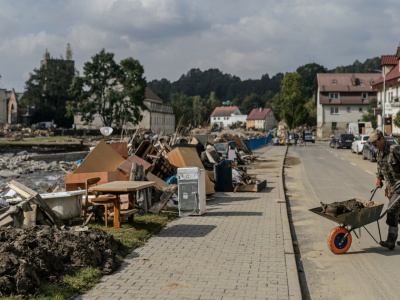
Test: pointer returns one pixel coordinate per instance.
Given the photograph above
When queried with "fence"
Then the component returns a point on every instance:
(261, 142)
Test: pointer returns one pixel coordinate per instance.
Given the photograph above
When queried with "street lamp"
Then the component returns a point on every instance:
(384, 99)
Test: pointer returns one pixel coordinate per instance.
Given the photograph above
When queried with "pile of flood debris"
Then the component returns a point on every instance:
(43, 248)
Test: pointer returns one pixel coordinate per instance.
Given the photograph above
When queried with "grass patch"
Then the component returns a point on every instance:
(43, 140)
(131, 235)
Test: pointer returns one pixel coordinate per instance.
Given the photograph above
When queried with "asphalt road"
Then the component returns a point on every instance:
(317, 173)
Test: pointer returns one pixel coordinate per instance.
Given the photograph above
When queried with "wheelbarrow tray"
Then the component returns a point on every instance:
(370, 213)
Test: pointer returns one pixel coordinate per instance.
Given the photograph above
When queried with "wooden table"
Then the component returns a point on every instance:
(121, 187)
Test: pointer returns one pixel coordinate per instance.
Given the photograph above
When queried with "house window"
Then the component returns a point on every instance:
(348, 109)
(334, 125)
(334, 110)
(334, 81)
(360, 109)
(364, 95)
(334, 95)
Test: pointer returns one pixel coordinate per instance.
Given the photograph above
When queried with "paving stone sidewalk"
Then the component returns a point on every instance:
(240, 249)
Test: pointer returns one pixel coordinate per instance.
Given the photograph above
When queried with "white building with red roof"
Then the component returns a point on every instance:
(388, 89)
(225, 116)
(261, 119)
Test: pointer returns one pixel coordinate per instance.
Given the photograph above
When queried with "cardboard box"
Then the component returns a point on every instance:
(252, 187)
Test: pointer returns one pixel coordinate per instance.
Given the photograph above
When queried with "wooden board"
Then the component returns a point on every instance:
(77, 181)
(102, 158)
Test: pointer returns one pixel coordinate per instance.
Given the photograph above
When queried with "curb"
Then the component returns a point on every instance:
(291, 266)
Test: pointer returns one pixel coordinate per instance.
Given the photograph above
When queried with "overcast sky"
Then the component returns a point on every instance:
(169, 37)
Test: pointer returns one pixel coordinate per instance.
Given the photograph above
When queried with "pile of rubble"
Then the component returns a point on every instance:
(29, 257)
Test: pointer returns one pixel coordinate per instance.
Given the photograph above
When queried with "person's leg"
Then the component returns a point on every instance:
(392, 219)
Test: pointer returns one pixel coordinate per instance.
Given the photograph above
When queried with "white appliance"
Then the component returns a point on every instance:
(191, 191)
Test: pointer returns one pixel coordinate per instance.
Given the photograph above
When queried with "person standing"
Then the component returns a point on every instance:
(388, 163)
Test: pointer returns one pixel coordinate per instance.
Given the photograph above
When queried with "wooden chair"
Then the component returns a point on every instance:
(104, 200)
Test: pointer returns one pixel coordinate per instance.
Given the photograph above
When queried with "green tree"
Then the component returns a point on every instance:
(396, 120)
(312, 112)
(308, 74)
(369, 116)
(250, 102)
(292, 96)
(114, 92)
(182, 105)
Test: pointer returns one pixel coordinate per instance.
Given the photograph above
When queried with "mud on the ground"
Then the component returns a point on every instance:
(31, 256)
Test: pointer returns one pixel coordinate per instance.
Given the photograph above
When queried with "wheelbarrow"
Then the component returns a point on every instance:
(339, 238)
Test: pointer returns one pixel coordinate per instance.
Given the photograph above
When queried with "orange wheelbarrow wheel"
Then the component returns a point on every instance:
(334, 238)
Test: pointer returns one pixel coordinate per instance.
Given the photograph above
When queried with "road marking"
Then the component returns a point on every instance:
(369, 172)
(353, 164)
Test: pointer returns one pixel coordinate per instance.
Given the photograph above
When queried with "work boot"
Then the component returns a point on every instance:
(390, 242)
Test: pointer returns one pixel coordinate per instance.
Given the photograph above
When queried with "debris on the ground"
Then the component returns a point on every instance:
(32, 256)
(343, 207)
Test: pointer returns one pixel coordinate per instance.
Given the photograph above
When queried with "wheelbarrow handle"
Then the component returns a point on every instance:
(373, 192)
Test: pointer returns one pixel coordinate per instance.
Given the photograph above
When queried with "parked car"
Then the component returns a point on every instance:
(369, 151)
(342, 140)
(358, 144)
(309, 137)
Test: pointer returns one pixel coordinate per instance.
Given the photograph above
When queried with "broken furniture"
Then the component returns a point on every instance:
(159, 165)
(47, 215)
(103, 161)
(118, 188)
(97, 200)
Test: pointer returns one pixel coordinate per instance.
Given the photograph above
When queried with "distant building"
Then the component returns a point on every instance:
(159, 117)
(342, 98)
(225, 116)
(3, 106)
(261, 119)
(388, 89)
(10, 110)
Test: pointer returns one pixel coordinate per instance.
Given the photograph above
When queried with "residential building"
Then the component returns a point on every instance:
(159, 117)
(342, 98)
(261, 119)
(388, 89)
(225, 116)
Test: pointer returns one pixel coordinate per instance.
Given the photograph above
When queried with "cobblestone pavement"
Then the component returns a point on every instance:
(241, 248)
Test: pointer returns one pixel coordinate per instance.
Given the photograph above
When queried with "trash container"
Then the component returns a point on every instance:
(223, 176)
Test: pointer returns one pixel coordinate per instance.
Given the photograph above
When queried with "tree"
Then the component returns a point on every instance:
(292, 96)
(308, 74)
(369, 116)
(113, 92)
(396, 120)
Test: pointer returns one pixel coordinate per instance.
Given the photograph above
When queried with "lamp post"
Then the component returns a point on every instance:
(384, 99)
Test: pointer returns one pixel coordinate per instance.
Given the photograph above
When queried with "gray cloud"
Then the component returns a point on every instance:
(169, 37)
